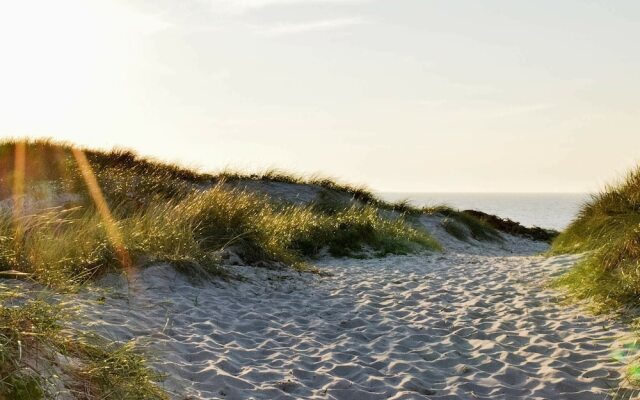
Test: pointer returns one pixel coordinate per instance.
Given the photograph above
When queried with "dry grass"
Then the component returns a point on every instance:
(163, 213)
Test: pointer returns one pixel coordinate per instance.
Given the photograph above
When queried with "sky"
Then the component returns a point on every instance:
(400, 95)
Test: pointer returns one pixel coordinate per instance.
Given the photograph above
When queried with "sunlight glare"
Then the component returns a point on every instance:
(67, 51)
(113, 232)
(18, 189)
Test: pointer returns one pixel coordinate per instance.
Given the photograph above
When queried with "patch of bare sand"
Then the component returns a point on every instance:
(455, 326)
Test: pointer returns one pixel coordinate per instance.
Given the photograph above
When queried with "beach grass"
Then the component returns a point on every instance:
(24, 330)
(160, 212)
(35, 335)
(142, 211)
(463, 226)
(455, 229)
(113, 370)
(607, 231)
(65, 247)
(156, 212)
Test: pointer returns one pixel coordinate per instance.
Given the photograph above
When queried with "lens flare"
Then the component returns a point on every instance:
(19, 170)
(113, 232)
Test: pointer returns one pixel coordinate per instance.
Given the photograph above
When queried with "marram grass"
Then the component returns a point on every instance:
(33, 334)
(25, 329)
(163, 213)
(607, 230)
(463, 226)
(63, 248)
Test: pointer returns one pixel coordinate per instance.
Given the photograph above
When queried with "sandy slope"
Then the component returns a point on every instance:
(455, 326)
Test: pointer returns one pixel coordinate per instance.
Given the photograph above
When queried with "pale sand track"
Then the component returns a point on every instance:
(454, 326)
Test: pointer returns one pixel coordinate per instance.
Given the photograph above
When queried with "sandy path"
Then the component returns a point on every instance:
(413, 327)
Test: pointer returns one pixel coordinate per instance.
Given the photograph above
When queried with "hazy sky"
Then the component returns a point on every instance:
(403, 95)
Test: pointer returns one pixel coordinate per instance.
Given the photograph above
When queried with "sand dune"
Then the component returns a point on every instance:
(454, 326)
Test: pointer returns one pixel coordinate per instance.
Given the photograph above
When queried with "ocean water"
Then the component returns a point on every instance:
(546, 210)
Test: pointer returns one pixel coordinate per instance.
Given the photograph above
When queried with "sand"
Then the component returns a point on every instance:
(433, 326)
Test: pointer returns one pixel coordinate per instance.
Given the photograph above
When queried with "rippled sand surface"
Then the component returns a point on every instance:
(454, 326)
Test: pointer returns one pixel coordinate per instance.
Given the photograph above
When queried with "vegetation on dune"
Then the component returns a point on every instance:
(608, 229)
(346, 227)
(24, 330)
(162, 213)
(481, 226)
(332, 187)
(514, 228)
(359, 193)
(463, 225)
(33, 338)
(349, 231)
(455, 228)
(112, 371)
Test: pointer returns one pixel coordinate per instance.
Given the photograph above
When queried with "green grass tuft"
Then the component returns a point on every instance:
(26, 326)
(608, 229)
(163, 213)
(34, 330)
(114, 371)
(477, 228)
(455, 229)
(506, 225)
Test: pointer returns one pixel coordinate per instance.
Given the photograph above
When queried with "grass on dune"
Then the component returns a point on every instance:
(508, 226)
(167, 214)
(24, 330)
(608, 229)
(63, 248)
(481, 226)
(355, 192)
(350, 230)
(112, 371)
(463, 226)
(33, 332)
(455, 229)
(360, 193)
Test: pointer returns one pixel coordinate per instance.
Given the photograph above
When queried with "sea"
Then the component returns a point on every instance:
(546, 210)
